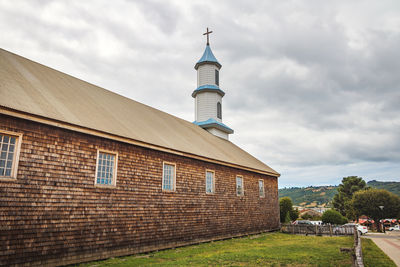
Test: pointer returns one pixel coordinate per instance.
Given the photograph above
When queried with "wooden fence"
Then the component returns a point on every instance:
(308, 229)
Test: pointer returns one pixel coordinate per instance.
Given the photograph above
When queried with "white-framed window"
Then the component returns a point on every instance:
(239, 186)
(169, 176)
(10, 144)
(106, 168)
(210, 182)
(261, 188)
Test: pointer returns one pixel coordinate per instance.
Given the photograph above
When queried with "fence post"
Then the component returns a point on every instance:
(330, 229)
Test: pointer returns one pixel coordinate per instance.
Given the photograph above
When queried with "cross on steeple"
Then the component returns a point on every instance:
(207, 33)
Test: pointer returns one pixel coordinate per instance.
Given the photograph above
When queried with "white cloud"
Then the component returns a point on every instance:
(312, 88)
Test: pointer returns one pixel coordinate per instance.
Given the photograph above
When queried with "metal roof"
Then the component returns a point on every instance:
(208, 88)
(208, 57)
(214, 123)
(27, 87)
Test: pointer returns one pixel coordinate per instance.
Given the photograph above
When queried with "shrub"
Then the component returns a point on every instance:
(285, 206)
(294, 214)
(333, 217)
(287, 218)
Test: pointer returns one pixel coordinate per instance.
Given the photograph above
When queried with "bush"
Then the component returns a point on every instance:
(307, 216)
(333, 217)
(285, 206)
(287, 218)
(294, 214)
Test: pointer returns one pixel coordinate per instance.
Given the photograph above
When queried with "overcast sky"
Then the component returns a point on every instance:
(312, 87)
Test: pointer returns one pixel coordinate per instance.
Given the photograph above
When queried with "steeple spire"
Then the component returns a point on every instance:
(208, 96)
(207, 33)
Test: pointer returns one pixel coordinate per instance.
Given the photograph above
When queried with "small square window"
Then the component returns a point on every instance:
(210, 183)
(168, 182)
(261, 188)
(106, 168)
(9, 153)
(239, 186)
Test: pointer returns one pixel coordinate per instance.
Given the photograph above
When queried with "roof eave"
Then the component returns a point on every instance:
(218, 126)
(208, 89)
(198, 64)
(211, 123)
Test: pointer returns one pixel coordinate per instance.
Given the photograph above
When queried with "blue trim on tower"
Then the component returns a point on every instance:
(212, 123)
(208, 88)
(208, 57)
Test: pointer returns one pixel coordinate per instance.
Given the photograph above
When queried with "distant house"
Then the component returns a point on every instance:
(366, 221)
(87, 174)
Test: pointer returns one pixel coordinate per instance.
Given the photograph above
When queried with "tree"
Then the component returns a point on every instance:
(311, 215)
(294, 214)
(333, 217)
(285, 206)
(342, 200)
(306, 216)
(367, 203)
(287, 218)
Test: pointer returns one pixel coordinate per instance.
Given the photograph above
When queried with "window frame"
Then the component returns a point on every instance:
(173, 180)
(242, 193)
(219, 110)
(15, 160)
(114, 179)
(263, 188)
(213, 182)
(217, 77)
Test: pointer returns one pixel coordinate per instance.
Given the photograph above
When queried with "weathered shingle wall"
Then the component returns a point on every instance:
(54, 214)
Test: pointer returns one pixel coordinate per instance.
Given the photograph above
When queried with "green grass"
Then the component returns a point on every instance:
(275, 249)
(373, 255)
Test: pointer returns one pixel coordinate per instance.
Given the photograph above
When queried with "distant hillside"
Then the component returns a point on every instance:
(322, 195)
(309, 196)
(393, 187)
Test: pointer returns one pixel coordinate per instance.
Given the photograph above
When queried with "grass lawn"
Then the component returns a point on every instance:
(274, 249)
(373, 255)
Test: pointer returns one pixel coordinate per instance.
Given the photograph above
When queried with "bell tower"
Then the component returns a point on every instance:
(208, 95)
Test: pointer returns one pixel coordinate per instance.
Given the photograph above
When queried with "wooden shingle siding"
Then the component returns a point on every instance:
(53, 214)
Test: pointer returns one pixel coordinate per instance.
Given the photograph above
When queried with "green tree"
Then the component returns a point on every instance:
(287, 218)
(285, 206)
(333, 217)
(368, 202)
(342, 200)
(294, 214)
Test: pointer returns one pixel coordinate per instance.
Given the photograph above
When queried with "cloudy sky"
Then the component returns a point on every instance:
(312, 87)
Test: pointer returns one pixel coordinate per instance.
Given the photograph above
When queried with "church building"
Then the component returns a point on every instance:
(87, 174)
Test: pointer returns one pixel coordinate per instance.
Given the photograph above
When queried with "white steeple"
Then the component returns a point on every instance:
(208, 95)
